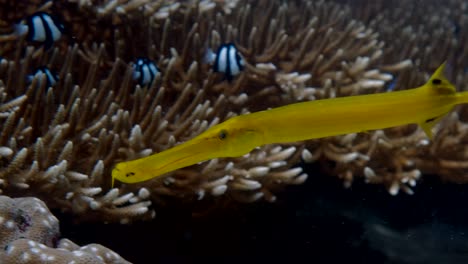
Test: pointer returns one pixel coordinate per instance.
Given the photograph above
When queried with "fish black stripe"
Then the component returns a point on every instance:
(31, 28)
(152, 74)
(228, 61)
(49, 38)
(140, 70)
(239, 59)
(58, 23)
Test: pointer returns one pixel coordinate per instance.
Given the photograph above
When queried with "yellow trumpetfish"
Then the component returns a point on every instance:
(237, 136)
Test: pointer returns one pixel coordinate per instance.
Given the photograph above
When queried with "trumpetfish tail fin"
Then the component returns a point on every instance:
(439, 82)
(462, 97)
(440, 85)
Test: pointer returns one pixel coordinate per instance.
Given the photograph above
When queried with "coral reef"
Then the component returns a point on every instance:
(29, 233)
(59, 143)
(424, 35)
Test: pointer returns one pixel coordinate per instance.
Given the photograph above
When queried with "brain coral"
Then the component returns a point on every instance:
(27, 218)
(29, 233)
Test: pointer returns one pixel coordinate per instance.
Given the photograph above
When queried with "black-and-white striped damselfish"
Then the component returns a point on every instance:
(41, 27)
(227, 60)
(51, 77)
(145, 71)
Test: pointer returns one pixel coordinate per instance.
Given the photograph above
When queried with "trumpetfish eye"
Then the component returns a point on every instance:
(222, 134)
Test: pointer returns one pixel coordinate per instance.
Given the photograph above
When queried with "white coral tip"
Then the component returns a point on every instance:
(258, 171)
(5, 152)
(143, 193)
(219, 190)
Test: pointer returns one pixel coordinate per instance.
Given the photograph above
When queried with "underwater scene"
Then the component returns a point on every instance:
(163, 131)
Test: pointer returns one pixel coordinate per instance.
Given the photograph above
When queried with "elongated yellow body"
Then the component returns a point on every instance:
(237, 136)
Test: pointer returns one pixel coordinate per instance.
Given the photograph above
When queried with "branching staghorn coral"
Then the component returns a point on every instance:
(74, 140)
(426, 34)
(60, 143)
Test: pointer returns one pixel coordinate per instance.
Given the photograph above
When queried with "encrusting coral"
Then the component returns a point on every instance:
(29, 233)
(59, 143)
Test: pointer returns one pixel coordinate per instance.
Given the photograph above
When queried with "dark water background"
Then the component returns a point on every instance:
(317, 222)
